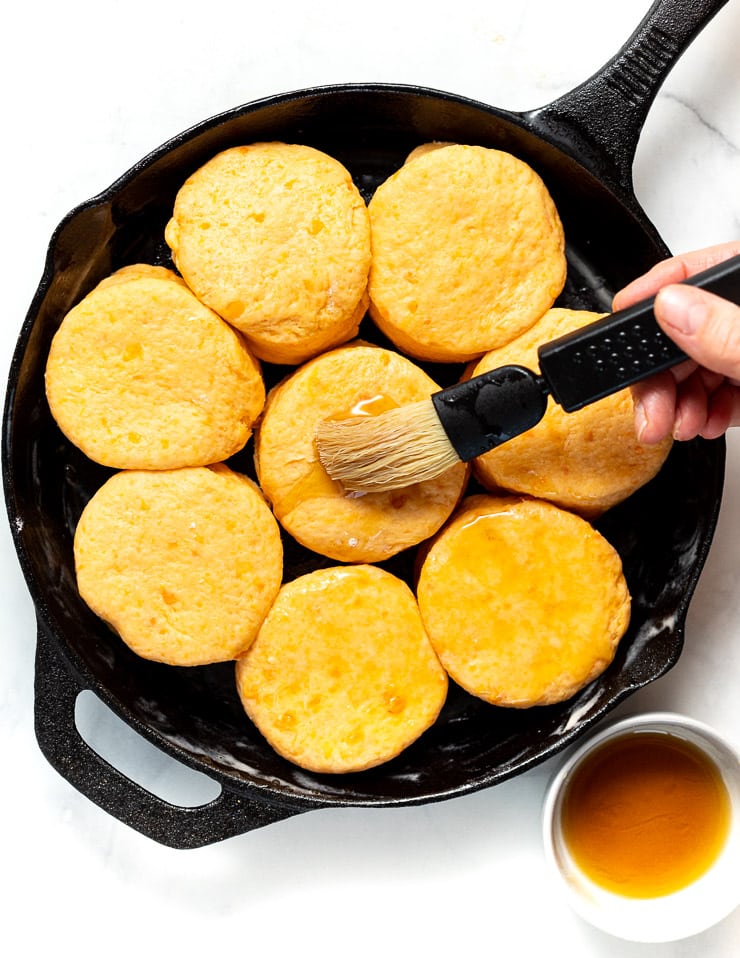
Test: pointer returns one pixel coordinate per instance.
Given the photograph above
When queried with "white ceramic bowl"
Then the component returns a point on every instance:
(670, 917)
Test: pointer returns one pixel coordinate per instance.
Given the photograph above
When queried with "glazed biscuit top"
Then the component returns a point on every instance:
(468, 252)
(524, 602)
(275, 237)
(342, 675)
(357, 379)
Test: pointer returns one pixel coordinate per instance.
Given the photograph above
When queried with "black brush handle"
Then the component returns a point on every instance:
(488, 410)
(622, 348)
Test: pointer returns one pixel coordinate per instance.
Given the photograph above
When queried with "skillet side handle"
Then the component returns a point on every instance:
(176, 826)
(601, 120)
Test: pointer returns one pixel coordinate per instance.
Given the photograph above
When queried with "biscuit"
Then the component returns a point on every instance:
(468, 252)
(313, 508)
(275, 237)
(342, 676)
(524, 602)
(588, 460)
(140, 375)
(182, 564)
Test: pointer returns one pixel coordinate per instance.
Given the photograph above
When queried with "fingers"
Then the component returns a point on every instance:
(700, 397)
(700, 412)
(723, 412)
(674, 270)
(692, 409)
(705, 326)
(699, 404)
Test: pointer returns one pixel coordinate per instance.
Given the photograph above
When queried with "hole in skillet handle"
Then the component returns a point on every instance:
(145, 764)
(177, 826)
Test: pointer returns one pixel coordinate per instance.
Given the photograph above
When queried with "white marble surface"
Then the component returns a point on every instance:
(88, 88)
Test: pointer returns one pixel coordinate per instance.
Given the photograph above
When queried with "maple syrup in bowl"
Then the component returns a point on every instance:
(642, 828)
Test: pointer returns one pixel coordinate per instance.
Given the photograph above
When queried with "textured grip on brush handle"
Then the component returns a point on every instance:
(623, 348)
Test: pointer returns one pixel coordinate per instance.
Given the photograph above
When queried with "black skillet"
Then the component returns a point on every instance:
(583, 145)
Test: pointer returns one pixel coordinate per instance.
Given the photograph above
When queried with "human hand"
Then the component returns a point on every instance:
(699, 397)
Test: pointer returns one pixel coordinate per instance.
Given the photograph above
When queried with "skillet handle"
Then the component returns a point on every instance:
(56, 692)
(601, 120)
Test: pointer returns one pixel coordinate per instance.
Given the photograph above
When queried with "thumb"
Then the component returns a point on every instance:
(705, 326)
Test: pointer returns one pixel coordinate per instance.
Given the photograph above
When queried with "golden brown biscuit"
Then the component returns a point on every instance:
(342, 676)
(468, 252)
(141, 375)
(182, 564)
(314, 508)
(588, 460)
(275, 237)
(524, 602)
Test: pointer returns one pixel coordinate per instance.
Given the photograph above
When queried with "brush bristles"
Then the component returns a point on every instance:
(395, 449)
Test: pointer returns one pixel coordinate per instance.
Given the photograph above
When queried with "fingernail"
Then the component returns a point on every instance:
(677, 427)
(683, 308)
(640, 420)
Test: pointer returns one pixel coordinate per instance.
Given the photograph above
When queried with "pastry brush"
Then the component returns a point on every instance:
(419, 441)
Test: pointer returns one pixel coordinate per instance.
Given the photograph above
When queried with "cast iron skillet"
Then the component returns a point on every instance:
(583, 145)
